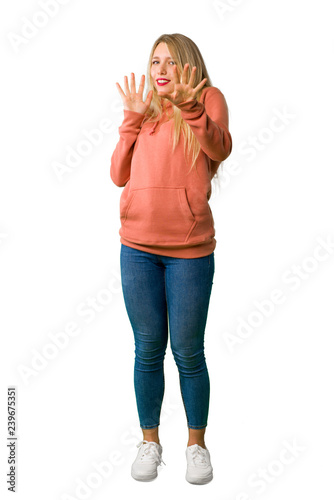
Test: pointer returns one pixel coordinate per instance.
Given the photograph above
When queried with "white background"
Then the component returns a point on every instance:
(59, 249)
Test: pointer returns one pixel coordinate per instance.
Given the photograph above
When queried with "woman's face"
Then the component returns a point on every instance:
(162, 68)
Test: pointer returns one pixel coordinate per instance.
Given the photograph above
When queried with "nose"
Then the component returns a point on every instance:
(162, 70)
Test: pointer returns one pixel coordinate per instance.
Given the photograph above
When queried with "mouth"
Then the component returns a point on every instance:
(162, 81)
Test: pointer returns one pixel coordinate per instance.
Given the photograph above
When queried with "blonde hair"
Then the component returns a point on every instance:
(183, 50)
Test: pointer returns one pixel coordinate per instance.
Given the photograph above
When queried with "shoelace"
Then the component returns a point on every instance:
(198, 455)
(149, 450)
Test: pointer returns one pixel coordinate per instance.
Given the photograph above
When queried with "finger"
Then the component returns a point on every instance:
(200, 85)
(192, 76)
(149, 98)
(176, 74)
(184, 73)
(141, 85)
(133, 84)
(120, 90)
(126, 85)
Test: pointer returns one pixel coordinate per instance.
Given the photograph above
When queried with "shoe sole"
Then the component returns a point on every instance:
(146, 478)
(203, 480)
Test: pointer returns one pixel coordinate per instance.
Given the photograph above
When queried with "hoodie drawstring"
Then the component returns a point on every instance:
(153, 128)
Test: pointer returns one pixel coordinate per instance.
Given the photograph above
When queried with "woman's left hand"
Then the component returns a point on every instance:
(183, 91)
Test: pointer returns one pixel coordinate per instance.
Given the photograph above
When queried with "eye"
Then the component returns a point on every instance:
(158, 61)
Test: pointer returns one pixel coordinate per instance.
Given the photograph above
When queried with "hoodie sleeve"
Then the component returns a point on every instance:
(121, 158)
(209, 123)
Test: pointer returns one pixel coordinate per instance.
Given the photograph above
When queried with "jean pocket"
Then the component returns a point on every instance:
(158, 215)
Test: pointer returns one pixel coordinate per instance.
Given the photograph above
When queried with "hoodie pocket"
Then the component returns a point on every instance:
(158, 215)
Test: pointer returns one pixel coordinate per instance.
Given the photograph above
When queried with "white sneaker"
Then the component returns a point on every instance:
(199, 469)
(144, 468)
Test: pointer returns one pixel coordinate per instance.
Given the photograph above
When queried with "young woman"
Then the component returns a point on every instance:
(171, 145)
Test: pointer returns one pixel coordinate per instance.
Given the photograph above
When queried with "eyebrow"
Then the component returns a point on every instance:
(156, 57)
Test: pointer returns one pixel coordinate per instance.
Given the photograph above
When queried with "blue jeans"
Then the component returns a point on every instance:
(162, 293)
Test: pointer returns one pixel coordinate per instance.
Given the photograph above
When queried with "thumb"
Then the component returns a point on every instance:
(149, 97)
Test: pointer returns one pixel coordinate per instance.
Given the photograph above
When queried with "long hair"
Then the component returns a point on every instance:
(183, 50)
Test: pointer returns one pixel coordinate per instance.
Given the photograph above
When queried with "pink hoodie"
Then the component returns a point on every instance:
(164, 209)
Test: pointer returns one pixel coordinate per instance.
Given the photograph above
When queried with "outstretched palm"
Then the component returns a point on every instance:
(183, 91)
(132, 100)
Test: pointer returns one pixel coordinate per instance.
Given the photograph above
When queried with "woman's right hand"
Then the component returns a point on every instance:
(132, 100)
